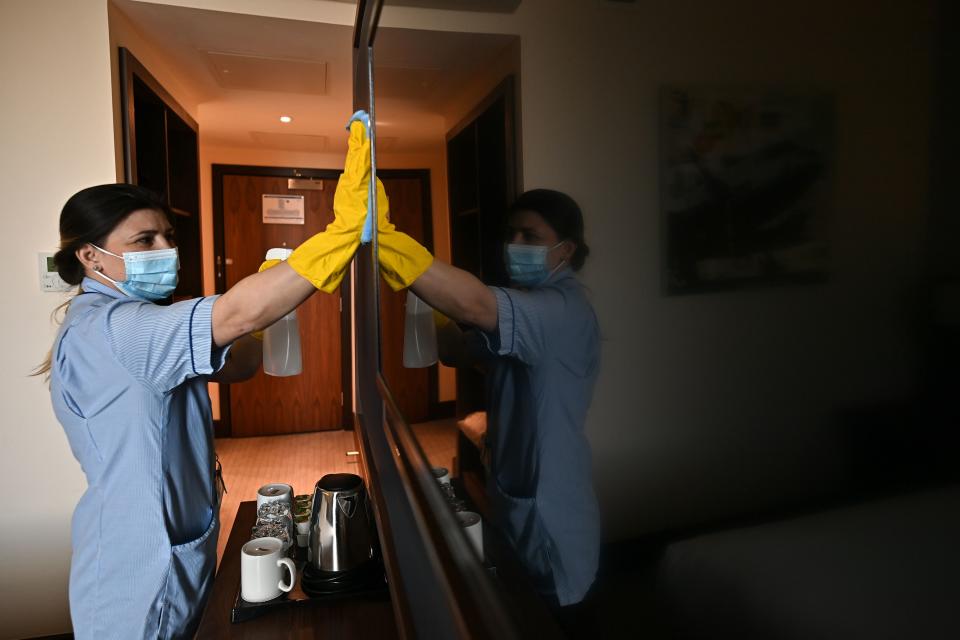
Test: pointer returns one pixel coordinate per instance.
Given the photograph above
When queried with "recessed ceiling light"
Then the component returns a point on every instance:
(286, 119)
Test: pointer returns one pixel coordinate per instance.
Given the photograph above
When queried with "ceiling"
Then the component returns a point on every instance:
(245, 71)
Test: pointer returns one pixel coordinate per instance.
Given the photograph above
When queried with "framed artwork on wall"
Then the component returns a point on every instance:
(745, 187)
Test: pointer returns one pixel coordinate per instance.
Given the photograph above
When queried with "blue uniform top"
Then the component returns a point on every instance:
(128, 384)
(539, 390)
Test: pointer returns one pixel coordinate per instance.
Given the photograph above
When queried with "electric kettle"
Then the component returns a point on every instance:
(341, 534)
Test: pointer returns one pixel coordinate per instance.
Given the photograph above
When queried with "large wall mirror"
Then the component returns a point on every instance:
(447, 156)
(445, 149)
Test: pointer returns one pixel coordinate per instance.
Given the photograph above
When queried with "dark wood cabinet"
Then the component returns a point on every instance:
(481, 173)
(482, 182)
(161, 146)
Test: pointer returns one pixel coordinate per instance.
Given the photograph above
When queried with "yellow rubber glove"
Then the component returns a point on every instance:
(324, 258)
(402, 259)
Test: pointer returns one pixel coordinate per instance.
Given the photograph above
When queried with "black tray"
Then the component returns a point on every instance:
(374, 588)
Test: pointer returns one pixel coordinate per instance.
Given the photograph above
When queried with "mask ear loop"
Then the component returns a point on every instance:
(555, 269)
(98, 270)
(109, 253)
(559, 264)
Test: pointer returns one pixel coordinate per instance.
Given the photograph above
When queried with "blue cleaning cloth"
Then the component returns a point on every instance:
(363, 117)
(367, 234)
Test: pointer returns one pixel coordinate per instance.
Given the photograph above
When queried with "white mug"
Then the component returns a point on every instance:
(472, 525)
(273, 492)
(261, 570)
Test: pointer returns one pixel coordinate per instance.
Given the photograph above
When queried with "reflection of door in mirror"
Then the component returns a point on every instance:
(311, 401)
(414, 390)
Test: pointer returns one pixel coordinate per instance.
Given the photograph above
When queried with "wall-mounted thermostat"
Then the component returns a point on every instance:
(50, 280)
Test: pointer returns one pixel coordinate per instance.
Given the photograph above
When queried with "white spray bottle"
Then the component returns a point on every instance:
(281, 340)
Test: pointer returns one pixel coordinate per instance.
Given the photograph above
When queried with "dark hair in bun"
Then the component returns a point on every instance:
(562, 213)
(91, 214)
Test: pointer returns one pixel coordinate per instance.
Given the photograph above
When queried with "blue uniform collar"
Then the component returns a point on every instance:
(561, 274)
(89, 285)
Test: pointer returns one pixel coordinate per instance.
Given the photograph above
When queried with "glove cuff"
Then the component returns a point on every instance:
(402, 259)
(323, 259)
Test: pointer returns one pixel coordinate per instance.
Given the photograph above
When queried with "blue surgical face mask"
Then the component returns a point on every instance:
(151, 275)
(527, 264)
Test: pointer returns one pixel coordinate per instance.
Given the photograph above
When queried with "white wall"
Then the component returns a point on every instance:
(57, 137)
(716, 403)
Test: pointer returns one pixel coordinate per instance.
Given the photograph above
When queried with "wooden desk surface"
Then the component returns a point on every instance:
(342, 619)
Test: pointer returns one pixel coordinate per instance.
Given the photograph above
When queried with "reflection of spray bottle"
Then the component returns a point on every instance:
(281, 340)
(419, 334)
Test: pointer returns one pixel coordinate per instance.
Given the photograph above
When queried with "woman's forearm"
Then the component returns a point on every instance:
(457, 294)
(258, 301)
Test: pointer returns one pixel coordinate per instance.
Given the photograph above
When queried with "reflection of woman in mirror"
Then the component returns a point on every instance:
(543, 347)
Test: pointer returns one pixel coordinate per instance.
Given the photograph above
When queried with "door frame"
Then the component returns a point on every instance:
(222, 427)
(131, 68)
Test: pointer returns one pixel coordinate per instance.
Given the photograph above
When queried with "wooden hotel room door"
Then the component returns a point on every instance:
(311, 401)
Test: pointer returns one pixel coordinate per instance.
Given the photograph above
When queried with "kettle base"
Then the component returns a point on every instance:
(316, 583)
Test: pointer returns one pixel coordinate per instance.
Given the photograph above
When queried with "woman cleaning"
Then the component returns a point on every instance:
(128, 381)
(543, 340)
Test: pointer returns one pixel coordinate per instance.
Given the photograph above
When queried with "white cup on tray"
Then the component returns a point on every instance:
(261, 570)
